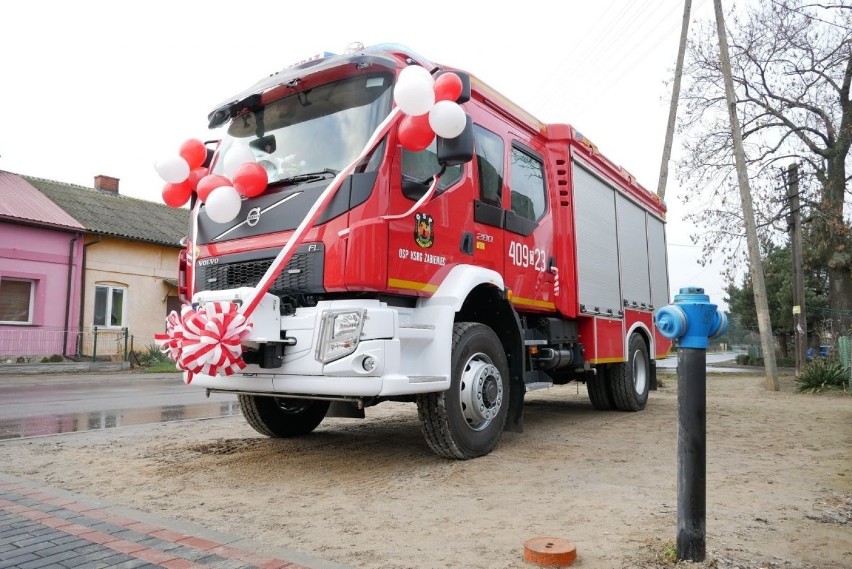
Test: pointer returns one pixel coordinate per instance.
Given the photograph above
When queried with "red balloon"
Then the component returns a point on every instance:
(194, 152)
(195, 176)
(415, 134)
(209, 183)
(250, 179)
(448, 87)
(176, 195)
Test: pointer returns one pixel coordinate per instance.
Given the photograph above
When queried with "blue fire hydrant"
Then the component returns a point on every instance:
(691, 322)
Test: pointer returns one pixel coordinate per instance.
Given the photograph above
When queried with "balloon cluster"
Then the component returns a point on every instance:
(429, 105)
(221, 194)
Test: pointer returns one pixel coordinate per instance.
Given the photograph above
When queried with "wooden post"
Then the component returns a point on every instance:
(761, 303)
(800, 320)
(667, 147)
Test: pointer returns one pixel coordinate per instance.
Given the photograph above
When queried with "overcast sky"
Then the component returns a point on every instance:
(102, 87)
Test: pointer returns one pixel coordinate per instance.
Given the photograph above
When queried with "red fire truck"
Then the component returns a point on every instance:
(533, 260)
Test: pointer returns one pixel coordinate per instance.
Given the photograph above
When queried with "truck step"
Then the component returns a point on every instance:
(538, 385)
(537, 379)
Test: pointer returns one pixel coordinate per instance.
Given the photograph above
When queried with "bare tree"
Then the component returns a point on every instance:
(791, 69)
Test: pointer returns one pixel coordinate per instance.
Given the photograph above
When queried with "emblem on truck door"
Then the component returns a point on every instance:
(423, 230)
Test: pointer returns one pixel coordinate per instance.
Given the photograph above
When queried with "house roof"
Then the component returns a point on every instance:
(22, 202)
(110, 213)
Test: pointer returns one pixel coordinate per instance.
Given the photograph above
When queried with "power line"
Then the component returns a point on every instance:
(587, 51)
(629, 25)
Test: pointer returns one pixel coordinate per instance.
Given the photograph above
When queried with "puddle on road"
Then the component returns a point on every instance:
(97, 420)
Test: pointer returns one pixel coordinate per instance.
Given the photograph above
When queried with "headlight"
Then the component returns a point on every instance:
(339, 334)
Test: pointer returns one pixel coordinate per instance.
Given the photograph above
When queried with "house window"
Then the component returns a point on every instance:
(16, 301)
(110, 303)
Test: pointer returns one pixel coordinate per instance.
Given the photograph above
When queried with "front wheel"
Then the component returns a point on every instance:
(280, 417)
(631, 380)
(467, 420)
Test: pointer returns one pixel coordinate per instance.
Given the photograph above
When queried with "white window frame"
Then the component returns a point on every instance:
(30, 307)
(109, 289)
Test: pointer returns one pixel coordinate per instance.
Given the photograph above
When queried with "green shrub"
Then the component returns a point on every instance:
(823, 374)
(151, 355)
(749, 360)
(55, 358)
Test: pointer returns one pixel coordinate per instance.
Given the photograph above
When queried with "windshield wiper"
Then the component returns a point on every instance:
(309, 176)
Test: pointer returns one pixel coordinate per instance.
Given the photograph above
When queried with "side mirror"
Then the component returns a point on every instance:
(458, 150)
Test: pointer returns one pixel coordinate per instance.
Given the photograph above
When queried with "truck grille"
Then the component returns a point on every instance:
(304, 273)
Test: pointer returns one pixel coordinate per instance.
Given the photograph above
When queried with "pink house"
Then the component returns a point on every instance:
(41, 271)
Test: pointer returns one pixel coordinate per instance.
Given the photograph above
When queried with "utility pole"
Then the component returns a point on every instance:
(761, 303)
(800, 320)
(667, 147)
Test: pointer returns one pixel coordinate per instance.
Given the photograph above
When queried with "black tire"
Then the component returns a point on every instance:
(453, 426)
(280, 417)
(599, 390)
(630, 381)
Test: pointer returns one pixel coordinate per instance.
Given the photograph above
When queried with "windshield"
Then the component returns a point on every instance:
(316, 130)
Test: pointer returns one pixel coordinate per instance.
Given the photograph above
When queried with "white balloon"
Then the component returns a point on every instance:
(416, 71)
(223, 204)
(173, 169)
(414, 95)
(236, 157)
(447, 119)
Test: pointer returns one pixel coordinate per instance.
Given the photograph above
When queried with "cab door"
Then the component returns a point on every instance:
(488, 211)
(529, 261)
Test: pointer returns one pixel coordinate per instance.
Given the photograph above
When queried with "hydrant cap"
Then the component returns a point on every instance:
(720, 325)
(671, 321)
(691, 294)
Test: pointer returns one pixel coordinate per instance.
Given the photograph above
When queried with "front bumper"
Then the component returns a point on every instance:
(400, 351)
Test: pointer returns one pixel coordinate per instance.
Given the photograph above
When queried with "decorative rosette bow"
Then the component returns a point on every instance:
(208, 340)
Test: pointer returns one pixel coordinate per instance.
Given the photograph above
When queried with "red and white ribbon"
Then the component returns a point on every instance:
(207, 341)
(313, 214)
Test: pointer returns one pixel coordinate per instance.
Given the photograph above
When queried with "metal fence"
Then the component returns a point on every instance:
(33, 345)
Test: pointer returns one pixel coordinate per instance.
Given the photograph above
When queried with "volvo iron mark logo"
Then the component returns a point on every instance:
(253, 216)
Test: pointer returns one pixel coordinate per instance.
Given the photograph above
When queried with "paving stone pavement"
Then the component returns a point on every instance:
(47, 528)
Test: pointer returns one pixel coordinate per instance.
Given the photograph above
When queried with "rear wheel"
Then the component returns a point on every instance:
(631, 380)
(280, 417)
(467, 420)
(599, 390)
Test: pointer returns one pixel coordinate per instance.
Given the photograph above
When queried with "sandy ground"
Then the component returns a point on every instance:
(370, 494)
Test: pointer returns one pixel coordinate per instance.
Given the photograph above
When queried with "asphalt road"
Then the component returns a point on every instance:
(48, 404)
(34, 405)
(714, 359)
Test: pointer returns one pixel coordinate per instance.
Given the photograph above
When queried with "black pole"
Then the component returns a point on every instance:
(691, 453)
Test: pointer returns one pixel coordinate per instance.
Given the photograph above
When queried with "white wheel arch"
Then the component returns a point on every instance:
(648, 334)
(458, 283)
